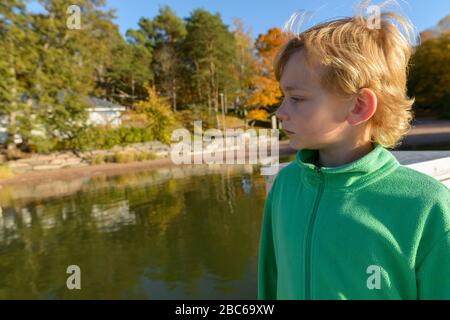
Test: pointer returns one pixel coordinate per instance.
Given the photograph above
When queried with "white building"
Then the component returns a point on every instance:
(102, 112)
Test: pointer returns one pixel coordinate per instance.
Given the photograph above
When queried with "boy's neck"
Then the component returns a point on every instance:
(341, 154)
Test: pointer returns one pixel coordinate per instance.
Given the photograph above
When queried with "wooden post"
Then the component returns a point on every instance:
(223, 111)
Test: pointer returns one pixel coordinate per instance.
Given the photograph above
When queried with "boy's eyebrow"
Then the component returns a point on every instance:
(291, 88)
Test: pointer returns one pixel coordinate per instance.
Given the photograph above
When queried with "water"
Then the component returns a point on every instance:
(171, 233)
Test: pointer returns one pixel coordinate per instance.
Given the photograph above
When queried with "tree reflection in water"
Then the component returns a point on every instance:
(181, 232)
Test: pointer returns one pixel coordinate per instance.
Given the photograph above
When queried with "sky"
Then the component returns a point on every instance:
(260, 15)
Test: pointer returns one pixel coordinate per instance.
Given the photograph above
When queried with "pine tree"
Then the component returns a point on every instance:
(209, 49)
(16, 58)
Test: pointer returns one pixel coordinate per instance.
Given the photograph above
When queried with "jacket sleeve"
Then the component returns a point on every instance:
(433, 272)
(267, 265)
(433, 276)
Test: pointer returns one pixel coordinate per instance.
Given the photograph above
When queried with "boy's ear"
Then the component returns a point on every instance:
(364, 108)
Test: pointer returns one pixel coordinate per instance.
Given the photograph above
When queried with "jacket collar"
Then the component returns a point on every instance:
(347, 177)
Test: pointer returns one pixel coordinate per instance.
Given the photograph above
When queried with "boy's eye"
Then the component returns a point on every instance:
(297, 99)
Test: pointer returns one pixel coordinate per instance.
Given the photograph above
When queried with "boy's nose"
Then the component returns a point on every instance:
(280, 114)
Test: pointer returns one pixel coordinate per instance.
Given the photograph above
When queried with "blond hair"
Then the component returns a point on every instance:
(355, 56)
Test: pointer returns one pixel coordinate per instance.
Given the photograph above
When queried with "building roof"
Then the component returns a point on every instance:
(103, 105)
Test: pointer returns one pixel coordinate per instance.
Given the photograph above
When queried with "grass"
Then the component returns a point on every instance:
(5, 171)
(97, 159)
(130, 156)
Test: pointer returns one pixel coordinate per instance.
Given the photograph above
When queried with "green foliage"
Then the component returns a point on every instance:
(210, 50)
(97, 159)
(96, 138)
(169, 70)
(125, 157)
(47, 70)
(193, 112)
(127, 75)
(159, 117)
(429, 79)
(122, 157)
(42, 145)
(142, 156)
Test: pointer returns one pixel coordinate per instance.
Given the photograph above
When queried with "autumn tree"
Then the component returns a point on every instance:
(266, 89)
(157, 113)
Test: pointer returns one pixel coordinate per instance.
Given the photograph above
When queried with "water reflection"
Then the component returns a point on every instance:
(179, 232)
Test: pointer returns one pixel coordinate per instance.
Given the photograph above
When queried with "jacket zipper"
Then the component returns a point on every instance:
(308, 238)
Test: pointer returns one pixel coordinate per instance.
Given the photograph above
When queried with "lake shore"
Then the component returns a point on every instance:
(105, 169)
(423, 132)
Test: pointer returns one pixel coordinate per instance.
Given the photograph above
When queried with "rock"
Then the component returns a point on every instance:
(162, 153)
(35, 162)
(16, 164)
(116, 149)
(45, 158)
(57, 162)
(71, 161)
(76, 165)
(46, 167)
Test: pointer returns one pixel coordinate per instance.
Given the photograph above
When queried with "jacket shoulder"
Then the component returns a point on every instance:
(421, 183)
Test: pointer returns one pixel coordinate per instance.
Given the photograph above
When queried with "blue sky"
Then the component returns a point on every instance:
(260, 15)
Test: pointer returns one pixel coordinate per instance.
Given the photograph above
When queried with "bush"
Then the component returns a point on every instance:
(41, 145)
(96, 138)
(142, 156)
(97, 159)
(125, 156)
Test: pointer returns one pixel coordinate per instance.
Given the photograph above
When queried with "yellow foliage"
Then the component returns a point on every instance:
(258, 114)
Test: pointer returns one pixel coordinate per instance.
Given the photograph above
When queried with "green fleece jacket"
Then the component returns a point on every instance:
(369, 229)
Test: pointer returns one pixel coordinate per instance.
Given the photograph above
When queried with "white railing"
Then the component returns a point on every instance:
(438, 167)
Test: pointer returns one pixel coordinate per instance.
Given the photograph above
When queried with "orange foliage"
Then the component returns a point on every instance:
(258, 114)
(267, 91)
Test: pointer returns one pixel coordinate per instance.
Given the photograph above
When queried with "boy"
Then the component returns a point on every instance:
(345, 220)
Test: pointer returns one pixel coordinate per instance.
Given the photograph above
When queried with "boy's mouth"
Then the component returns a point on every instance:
(288, 132)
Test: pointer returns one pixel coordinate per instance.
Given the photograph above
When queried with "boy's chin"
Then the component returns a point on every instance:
(297, 144)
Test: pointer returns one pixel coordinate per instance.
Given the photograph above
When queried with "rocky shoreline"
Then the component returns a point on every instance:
(70, 159)
(73, 166)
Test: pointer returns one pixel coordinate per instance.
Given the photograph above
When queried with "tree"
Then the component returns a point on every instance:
(209, 49)
(169, 32)
(266, 89)
(127, 76)
(158, 115)
(429, 77)
(246, 64)
(442, 27)
(16, 60)
(66, 68)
